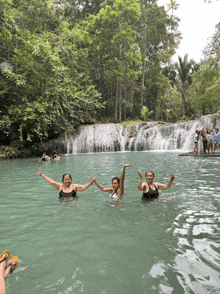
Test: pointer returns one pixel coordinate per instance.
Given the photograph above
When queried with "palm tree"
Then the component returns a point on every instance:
(145, 112)
(173, 5)
(183, 79)
(168, 113)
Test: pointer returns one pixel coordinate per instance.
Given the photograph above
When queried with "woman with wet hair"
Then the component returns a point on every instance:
(55, 156)
(67, 190)
(117, 189)
(45, 157)
(150, 189)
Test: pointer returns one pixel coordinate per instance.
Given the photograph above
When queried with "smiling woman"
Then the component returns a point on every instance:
(117, 189)
(150, 189)
(67, 190)
(92, 247)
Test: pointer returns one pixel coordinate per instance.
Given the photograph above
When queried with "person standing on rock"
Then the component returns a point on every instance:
(196, 143)
(216, 139)
(200, 143)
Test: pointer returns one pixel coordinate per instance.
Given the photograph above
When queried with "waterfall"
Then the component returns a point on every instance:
(138, 136)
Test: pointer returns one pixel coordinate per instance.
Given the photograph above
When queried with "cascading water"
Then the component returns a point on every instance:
(138, 136)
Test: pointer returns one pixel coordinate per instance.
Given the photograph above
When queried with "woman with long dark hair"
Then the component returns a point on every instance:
(117, 189)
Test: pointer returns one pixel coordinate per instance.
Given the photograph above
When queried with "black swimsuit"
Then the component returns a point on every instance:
(151, 193)
(67, 196)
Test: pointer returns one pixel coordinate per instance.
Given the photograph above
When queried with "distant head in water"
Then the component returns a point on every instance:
(149, 175)
(115, 183)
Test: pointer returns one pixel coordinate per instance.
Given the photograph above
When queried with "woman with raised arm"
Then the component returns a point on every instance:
(67, 190)
(117, 189)
(150, 189)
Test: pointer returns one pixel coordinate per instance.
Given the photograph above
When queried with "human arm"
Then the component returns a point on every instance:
(47, 158)
(50, 181)
(81, 188)
(165, 187)
(140, 187)
(109, 190)
(122, 177)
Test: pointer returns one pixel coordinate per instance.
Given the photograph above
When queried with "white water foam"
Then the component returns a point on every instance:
(136, 137)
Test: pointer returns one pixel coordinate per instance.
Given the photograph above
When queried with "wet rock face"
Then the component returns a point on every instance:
(58, 145)
(118, 137)
(139, 136)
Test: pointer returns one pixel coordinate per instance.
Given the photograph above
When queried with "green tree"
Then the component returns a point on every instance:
(41, 95)
(168, 113)
(114, 56)
(145, 112)
(183, 79)
(204, 92)
(173, 5)
(212, 50)
(157, 43)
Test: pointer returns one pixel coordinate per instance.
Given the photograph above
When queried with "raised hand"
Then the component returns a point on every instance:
(128, 164)
(139, 173)
(172, 177)
(39, 173)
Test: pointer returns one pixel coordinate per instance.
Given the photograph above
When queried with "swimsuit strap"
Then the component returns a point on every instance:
(114, 192)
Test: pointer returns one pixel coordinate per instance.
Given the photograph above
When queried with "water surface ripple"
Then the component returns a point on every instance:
(92, 246)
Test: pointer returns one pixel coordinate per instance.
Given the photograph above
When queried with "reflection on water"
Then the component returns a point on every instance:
(197, 263)
(93, 246)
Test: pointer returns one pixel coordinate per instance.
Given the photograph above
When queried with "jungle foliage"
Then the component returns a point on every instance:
(65, 63)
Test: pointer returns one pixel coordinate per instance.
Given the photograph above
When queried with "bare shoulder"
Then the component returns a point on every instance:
(157, 185)
(144, 186)
(74, 187)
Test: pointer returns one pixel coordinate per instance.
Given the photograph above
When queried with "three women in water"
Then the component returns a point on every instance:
(67, 190)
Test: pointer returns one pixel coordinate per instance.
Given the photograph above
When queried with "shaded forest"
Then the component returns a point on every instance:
(65, 63)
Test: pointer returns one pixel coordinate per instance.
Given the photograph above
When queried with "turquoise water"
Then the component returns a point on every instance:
(91, 246)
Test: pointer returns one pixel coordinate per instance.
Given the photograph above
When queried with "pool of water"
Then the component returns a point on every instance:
(91, 246)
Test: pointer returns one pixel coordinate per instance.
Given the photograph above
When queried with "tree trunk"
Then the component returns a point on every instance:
(116, 102)
(184, 105)
(142, 93)
(120, 102)
(132, 98)
(125, 108)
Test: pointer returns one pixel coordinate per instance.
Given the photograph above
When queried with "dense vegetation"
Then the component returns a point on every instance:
(65, 63)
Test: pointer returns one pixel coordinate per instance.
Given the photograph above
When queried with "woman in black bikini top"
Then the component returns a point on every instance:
(67, 190)
(45, 157)
(67, 196)
(152, 193)
(150, 189)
